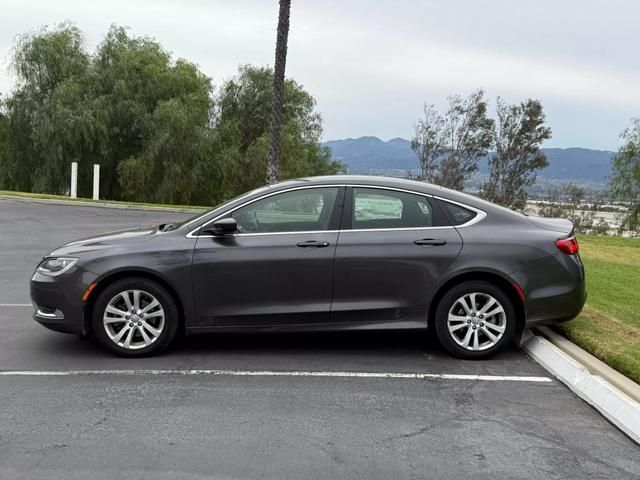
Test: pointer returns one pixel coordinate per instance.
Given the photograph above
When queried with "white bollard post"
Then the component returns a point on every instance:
(96, 181)
(74, 180)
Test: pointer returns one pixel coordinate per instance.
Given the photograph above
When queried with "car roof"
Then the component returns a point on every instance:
(365, 180)
(403, 183)
(392, 182)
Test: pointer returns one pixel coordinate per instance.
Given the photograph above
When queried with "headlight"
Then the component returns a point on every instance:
(52, 267)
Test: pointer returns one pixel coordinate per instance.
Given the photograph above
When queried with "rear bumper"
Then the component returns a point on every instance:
(555, 289)
(57, 305)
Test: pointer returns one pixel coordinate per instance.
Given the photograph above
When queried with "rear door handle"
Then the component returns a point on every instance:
(313, 243)
(434, 242)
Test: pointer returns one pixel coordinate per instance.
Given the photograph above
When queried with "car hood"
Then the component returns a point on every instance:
(106, 240)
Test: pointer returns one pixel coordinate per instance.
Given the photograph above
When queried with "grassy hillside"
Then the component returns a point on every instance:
(609, 326)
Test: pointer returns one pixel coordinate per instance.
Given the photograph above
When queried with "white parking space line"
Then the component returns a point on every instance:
(16, 305)
(270, 373)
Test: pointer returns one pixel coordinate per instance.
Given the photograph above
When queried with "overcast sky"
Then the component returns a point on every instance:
(372, 64)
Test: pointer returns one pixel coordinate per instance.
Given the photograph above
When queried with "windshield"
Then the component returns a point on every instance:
(217, 207)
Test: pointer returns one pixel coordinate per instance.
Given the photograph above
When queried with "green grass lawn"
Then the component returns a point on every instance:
(609, 326)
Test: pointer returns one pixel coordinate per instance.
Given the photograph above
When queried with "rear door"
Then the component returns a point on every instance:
(393, 247)
(278, 268)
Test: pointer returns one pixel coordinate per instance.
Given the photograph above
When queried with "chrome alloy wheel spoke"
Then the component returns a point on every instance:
(476, 321)
(133, 319)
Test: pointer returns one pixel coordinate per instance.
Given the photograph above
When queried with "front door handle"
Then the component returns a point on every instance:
(434, 242)
(313, 243)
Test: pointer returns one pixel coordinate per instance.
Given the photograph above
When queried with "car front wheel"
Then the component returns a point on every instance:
(474, 320)
(135, 317)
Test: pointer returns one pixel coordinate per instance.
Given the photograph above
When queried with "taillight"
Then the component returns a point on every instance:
(568, 245)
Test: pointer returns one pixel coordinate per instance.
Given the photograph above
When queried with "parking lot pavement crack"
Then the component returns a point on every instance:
(556, 439)
(558, 443)
(418, 432)
(100, 422)
(575, 462)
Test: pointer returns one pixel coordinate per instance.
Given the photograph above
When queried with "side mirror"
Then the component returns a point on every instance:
(224, 226)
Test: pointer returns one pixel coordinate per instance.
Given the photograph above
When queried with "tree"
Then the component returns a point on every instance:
(625, 177)
(44, 131)
(568, 202)
(4, 133)
(278, 91)
(449, 146)
(242, 119)
(154, 112)
(156, 126)
(518, 134)
(428, 143)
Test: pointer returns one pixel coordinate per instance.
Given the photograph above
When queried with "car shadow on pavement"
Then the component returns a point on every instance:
(304, 351)
(329, 342)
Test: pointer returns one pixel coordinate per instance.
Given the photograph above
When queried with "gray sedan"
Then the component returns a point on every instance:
(319, 254)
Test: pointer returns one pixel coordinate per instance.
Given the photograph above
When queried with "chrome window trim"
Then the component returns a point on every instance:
(481, 214)
(272, 233)
(396, 189)
(399, 229)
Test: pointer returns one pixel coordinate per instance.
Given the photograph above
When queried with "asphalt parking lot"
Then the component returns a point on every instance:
(271, 406)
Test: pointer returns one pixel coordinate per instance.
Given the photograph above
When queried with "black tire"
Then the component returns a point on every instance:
(169, 308)
(447, 302)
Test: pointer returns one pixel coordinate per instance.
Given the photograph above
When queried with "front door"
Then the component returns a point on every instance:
(393, 247)
(277, 268)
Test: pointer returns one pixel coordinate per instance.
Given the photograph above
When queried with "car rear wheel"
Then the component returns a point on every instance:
(474, 320)
(135, 317)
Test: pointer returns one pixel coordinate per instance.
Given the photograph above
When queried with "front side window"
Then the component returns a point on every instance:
(377, 208)
(308, 209)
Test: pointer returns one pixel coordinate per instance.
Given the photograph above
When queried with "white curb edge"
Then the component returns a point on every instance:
(618, 408)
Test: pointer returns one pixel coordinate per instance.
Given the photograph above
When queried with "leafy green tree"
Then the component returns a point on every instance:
(45, 130)
(4, 131)
(429, 141)
(448, 147)
(242, 122)
(569, 201)
(518, 134)
(155, 113)
(625, 178)
(156, 126)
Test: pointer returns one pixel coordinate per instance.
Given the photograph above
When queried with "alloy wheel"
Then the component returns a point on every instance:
(476, 321)
(133, 319)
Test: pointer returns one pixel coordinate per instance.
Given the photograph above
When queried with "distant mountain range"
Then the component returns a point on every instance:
(372, 155)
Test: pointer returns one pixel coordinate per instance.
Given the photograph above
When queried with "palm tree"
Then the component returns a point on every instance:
(278, 91)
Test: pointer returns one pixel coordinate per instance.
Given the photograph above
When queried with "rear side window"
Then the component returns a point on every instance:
(458, 215)
(377, 208)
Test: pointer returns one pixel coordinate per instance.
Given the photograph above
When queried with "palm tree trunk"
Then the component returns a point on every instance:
(278, 91)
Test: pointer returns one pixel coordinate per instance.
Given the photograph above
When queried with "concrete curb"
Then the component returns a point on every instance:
(618, 407)
(121, 206)
(594, 365)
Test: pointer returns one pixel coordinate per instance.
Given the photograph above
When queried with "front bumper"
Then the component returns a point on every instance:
(57, 304)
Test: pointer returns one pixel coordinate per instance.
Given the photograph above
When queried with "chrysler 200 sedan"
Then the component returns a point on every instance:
(319, 254)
